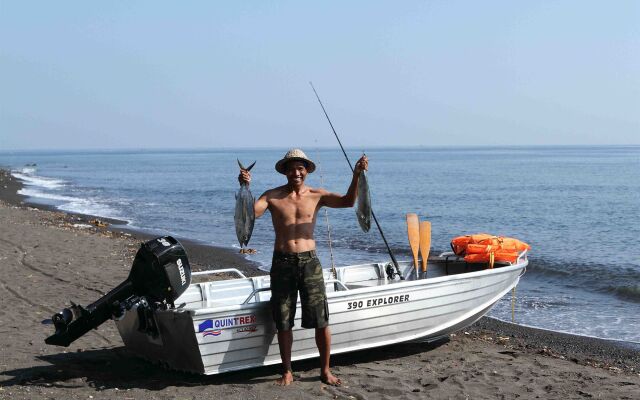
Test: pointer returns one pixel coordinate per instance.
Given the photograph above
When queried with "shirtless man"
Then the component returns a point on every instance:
(295, 266)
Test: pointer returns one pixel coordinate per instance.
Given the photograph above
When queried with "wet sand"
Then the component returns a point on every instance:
(49, 258)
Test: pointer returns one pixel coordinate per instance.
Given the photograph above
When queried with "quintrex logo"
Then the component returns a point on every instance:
(206, 328)
(213, 326)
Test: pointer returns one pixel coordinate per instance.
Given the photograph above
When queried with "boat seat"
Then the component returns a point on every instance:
(367, 283)
(362, 272)
(227, 292)
(193, 294)
(259, 283)
(216, 293)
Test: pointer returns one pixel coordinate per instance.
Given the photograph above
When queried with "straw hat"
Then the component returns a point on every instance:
(295, 155)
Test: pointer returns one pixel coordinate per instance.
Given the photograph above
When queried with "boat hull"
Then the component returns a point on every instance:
(218, 333)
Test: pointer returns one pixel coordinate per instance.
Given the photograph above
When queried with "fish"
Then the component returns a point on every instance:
(363, 207)
(245, 216)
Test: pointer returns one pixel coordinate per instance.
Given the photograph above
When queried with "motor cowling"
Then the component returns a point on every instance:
(161, 270)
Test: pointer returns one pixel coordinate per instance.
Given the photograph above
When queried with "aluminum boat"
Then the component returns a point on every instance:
(220, 325)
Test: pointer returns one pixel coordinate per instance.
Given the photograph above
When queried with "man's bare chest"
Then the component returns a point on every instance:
(294, 208)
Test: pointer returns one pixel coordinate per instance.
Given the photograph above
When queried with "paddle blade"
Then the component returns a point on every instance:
(425, 242)
(413, 230)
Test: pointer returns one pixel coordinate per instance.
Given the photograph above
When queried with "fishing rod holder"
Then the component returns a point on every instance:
(159, 275)
(392, 272)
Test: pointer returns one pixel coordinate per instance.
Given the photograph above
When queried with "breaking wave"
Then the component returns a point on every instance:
(72, 204)
(51, 191)
(33, 180)
(627, 292)
(618, 280)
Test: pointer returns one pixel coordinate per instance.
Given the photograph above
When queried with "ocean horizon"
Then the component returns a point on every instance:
(576, 205)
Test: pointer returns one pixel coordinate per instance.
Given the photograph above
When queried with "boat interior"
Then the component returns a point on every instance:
(229, 287)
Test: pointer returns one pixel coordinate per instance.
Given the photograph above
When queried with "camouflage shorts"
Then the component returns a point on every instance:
(293, 272)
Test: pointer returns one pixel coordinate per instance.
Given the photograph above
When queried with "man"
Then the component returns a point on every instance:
(295, 267)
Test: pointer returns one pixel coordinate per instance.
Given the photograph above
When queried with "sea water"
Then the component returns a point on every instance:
(578, 207)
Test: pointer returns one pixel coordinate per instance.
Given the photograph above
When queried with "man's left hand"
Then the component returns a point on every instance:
(361, 165)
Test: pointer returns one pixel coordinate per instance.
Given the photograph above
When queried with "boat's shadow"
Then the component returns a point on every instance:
(116, 368)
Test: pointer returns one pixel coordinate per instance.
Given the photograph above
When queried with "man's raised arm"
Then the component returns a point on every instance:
(334, 200)
(260, 206)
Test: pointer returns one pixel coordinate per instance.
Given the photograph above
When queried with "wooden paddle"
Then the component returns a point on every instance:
(413, 230)
(425, 243)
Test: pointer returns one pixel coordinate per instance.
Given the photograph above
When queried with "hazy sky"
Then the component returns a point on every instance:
(149, 74)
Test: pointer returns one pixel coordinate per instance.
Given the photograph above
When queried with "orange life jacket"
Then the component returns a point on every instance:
(479, 248)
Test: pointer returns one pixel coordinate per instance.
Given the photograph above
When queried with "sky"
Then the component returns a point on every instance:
(211, 74)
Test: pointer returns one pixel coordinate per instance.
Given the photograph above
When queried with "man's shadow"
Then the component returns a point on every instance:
(117, 368)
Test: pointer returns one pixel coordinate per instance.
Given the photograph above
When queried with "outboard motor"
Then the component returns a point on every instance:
(159, 275)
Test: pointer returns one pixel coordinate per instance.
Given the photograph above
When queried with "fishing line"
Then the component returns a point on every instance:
(326, 216)
(393, 258)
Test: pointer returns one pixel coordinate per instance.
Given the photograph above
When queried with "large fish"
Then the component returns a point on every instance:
(245, 215)
(363, 208)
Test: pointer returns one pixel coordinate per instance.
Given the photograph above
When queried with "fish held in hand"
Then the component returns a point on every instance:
(363, 208)
(244, 214)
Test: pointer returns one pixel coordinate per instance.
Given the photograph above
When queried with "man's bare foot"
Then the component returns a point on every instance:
(285, 380)
(330, 379)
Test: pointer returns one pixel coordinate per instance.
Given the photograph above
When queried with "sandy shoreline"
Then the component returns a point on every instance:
(47, 261)
(202, 256)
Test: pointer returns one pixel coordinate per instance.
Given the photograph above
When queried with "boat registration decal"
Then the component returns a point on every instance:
(212, 326)
(247, 329)
(380, 301)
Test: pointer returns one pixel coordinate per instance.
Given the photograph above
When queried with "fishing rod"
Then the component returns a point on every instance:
(393, 258)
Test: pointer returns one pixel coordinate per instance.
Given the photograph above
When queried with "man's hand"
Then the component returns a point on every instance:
(361, 165)
(244, 177)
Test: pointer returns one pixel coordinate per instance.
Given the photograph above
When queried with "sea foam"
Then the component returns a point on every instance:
(34, 180)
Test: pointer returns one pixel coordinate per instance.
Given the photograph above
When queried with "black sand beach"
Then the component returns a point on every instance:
(49, 258)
